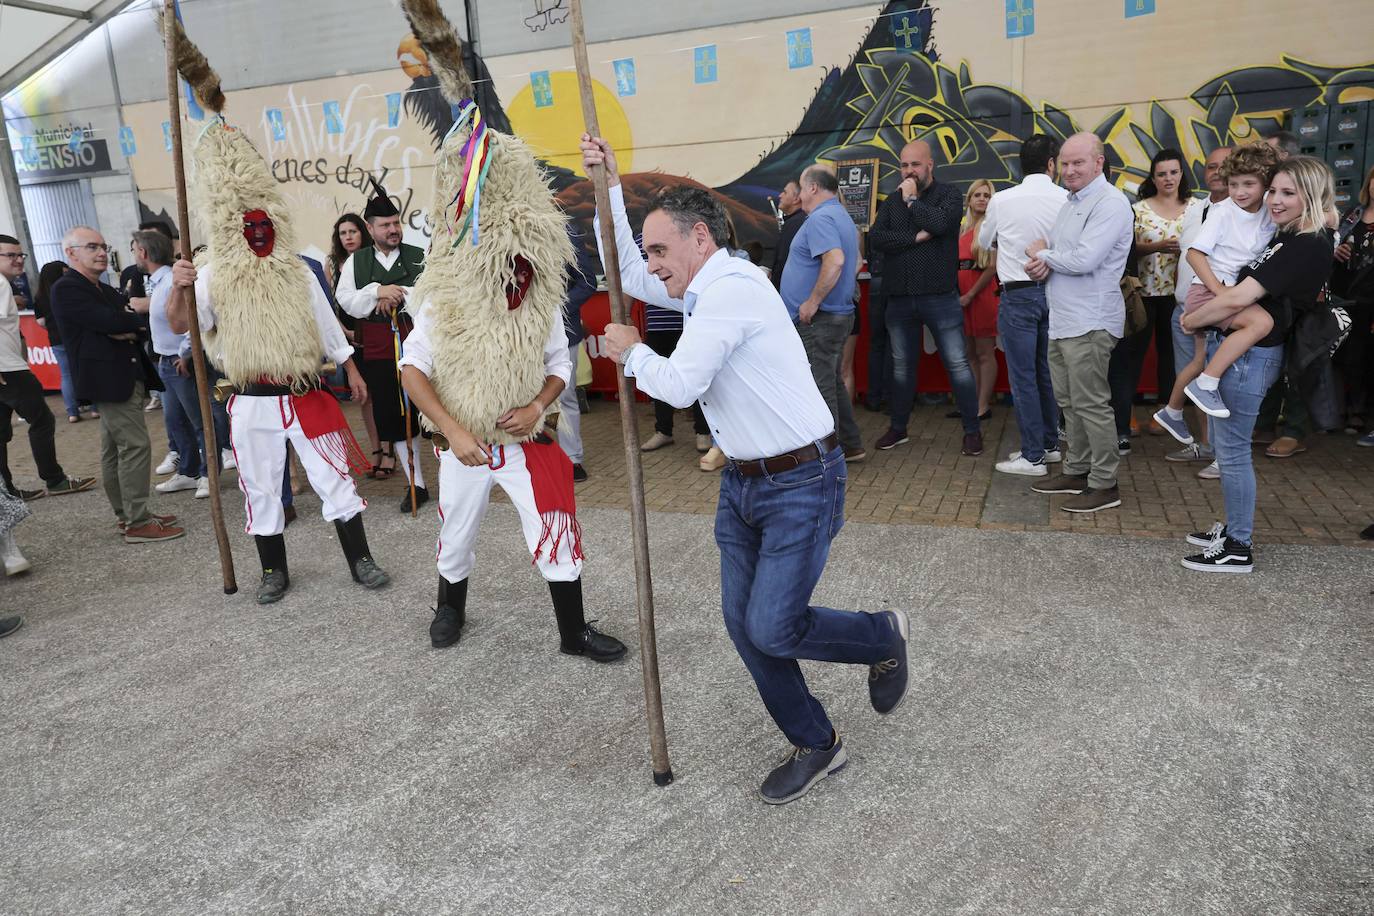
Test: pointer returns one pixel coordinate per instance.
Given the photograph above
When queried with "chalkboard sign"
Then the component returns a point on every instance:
(859, 189)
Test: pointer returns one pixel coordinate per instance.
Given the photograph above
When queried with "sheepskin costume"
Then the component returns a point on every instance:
(265, 328)
(488, 347)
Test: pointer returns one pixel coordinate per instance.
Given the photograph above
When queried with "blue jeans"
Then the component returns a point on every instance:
(1242, 388)
(905, 317)
(774, 533)
(59, 352)
(1023, 320)
(181, 413)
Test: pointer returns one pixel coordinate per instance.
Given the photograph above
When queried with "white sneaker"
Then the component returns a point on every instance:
(15, 562)
(169, 464)
(176, 483)
(226, 457)
(1019, 465)
(1211, 472)
(1052, 456)
(203, 488)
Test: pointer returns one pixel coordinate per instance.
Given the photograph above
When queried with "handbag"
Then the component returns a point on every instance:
(1137, 317)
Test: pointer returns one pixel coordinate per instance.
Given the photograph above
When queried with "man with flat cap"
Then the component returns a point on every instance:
(373, 286)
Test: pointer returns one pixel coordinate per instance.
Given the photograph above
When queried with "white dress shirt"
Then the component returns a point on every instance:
(166, 342)
(740, 355)
(336, 346)
(417, 350)
(1015, 218)
(12, 355)
(1089, 243)
(363, 302)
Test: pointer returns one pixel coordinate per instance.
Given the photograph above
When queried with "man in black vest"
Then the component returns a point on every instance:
(373, 286)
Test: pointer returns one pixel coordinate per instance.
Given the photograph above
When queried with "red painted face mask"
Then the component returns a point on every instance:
(259, 232)
(520, 283)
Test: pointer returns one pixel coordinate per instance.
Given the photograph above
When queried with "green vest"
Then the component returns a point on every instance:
(406, 270)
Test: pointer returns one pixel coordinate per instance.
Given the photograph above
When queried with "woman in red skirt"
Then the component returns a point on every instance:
(978, 296)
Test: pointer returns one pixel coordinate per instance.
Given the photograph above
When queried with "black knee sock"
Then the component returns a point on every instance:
(272, 552)
(567, 609)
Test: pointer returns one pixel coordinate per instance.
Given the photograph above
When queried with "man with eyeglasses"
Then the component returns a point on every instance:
(21, 392)
(111, 369)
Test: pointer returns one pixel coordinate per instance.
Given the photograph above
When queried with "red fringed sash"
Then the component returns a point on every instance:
(323, 422)
(551, 476)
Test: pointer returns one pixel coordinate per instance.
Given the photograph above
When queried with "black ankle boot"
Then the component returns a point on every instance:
(353, 539)
(577, 637)
(450, 613)
(275, 579)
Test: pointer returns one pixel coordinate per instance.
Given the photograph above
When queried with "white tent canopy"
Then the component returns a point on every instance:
(33, 32)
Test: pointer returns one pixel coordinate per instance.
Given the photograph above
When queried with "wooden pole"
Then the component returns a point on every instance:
(226, 558)
(405, 415)
(620, 314)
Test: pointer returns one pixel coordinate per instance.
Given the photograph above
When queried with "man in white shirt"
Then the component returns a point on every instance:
(782, 494)
(1015, 218)
(373, 286)
(152, 253)
(21, 393)
(1083, 260)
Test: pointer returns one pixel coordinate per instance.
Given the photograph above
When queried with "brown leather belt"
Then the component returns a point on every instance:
(757, 467)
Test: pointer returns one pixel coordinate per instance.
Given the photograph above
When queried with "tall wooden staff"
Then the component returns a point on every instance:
(620, 314)
(226, 559)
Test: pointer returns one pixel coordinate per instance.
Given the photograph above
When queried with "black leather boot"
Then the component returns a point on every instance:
(576, 635)
(450, 613)
(353, 539)
(275, 579)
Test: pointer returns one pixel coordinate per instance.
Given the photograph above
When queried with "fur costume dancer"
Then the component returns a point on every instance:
(268, 326)
(488, 357)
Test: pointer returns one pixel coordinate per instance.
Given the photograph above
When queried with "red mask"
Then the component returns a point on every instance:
(259, 232)
(519, 284)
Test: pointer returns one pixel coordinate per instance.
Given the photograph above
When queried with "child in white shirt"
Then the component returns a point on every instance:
(1236, 231)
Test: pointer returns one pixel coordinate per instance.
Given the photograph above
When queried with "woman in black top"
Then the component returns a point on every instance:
(1354, 279)
(1286, 279)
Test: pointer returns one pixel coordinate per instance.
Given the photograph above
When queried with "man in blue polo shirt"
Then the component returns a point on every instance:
(818, 289)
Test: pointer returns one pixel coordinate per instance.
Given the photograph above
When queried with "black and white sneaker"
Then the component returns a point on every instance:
(1209, 537)
(1226, 555)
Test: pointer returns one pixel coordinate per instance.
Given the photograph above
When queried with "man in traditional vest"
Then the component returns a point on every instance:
(489, 357)
(268, 327)
(373, 286)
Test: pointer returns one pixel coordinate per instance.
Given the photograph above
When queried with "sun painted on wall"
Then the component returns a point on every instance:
(552, 130)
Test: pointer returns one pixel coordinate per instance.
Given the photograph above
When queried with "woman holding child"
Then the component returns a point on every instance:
(1246, 325)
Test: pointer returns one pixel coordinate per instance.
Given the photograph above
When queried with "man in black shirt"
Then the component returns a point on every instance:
(789, 202)
(917, 230)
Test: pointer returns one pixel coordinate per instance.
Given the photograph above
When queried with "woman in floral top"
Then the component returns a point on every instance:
(1165, 197)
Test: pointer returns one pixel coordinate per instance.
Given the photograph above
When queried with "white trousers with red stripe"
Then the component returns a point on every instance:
(260, 428)
(465, 493)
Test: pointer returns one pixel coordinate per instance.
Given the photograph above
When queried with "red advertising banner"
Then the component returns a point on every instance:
(42, 360)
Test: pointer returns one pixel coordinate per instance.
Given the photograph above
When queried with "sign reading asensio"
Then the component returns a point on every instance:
(51, 153)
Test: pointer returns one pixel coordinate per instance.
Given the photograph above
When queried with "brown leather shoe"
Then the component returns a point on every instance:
(855, 455)
(150, 531)
(1285, 447)
(163, 520)
(1091, 500)
(1063, 483)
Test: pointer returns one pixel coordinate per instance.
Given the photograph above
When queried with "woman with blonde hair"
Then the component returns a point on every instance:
(978, 296)
(1285, 280)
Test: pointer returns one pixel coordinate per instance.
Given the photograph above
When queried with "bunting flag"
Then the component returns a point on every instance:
(127, 142)
(466, 203)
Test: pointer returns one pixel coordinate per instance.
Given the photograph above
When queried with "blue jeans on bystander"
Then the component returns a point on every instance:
(774, 534)
(1023, 320)
(906, 315)
(181, 413)
(1242, 388)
